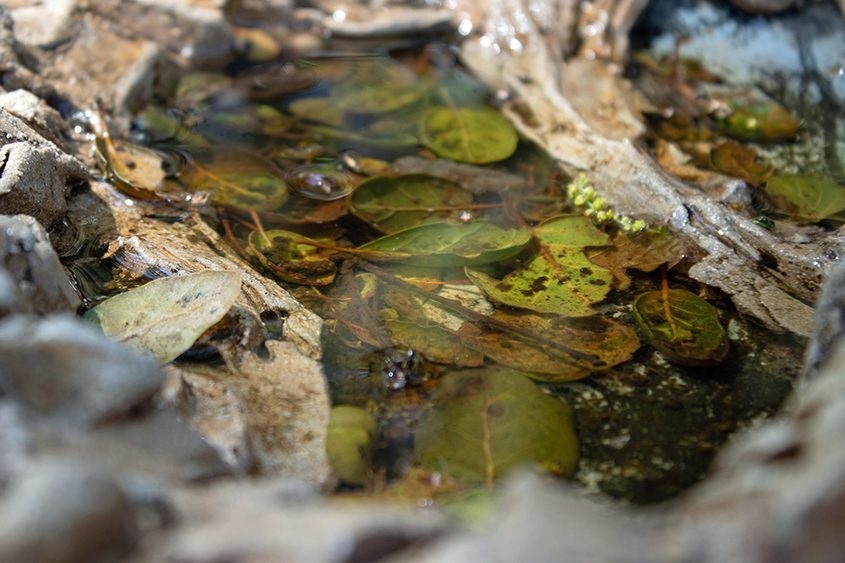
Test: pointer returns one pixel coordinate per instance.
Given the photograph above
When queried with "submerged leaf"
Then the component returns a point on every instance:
(378, 85)
(349, 444)
(562, 282)
(764, 123)
(609, 342)
(435, 343)
(165, 316)
(320, 110)
(290, 258)
(238, 178)
(559, 279)
(806, 197)
(682, 326)
(475, 135)
(644, 251)
(734, 159)
(136, 170)
(446, 245)
(487, 422)
(393, 204)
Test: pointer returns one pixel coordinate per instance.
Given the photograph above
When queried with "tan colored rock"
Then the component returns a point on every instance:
(44, 24)
(268, 416)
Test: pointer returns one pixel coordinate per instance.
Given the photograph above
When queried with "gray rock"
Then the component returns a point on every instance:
(28, 107)
(65, 513)
(61, 366)
(30, 271)
(36, 180)
(279, 520)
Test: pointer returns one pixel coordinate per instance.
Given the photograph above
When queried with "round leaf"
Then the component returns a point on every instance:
(487, 422)
(685, 328)
(394, 204)
(560, 281)
(238, 178)
(440, 245)
(806, 197)
(475, 135)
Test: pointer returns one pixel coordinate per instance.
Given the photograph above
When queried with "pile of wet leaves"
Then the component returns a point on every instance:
(465, 282)
(736, 131)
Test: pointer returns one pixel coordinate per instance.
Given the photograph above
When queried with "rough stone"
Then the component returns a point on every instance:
(35, 180)
(37, 114)
(276, 520)
(60, 366)
(44, 24)
(37, 281)
(65, 513)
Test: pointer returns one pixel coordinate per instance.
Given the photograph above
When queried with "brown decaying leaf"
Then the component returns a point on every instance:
(645, 251)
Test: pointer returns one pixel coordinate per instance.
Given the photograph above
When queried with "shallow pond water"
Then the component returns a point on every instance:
(482, 310)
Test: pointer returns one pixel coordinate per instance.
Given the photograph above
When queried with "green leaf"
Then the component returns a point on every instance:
(475, 135)
(393, 204)
(734, 159)
(291, 259)
(446, 245)
(165, 316)
(349, 444)
(319, 110)
(487, 422)
(570, 231)
(237, 177)
(434, 342)
(685, 328)
(609, 342)
(806, 197)
(561, 281)
(377, 86)
(762, 123)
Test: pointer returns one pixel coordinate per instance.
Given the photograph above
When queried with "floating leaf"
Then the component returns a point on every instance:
(488, 422)
(393, 204)
(378, 85)
(645, 251)
(323, 182)
(766, 123)
(165, 316)
(136, 170)
(300, 211)
(806, 197)
(349, 444)
(734, 159)
(475, 135)
(682, 326)
(290, 258)
(608, 342)
(238, 178)
(446, 245)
